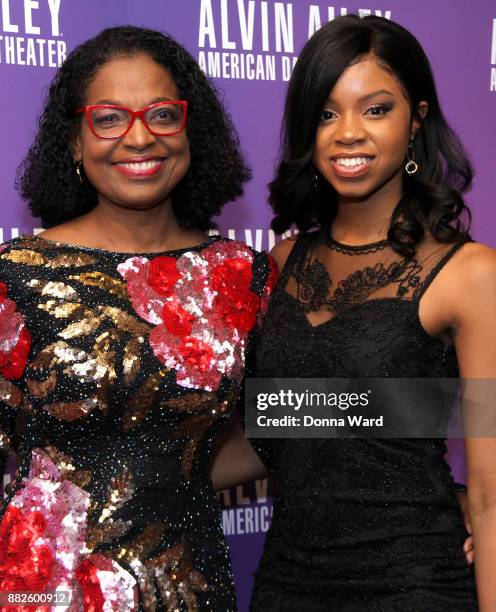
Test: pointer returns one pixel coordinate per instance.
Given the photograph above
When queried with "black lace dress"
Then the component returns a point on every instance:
(116, 372)
(359, 524)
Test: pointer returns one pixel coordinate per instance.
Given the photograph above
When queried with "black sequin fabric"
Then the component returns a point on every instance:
(117, 371)
(359, 524)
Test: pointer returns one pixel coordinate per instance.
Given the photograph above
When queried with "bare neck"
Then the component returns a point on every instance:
(127, 230)
(361, 221)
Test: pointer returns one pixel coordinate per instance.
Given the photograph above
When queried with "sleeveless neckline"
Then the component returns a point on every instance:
(66, 245)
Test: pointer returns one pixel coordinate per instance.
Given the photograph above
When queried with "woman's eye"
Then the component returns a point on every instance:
(378, 109)
(163, 116)
(327, 115)
(108, 118)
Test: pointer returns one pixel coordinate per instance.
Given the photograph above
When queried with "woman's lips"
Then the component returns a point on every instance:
(140, 169)
(350, 167)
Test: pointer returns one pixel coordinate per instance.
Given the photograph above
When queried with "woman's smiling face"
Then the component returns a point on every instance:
(364, 130)
(139, 170)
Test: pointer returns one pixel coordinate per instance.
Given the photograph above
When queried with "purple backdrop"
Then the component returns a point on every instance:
(248, 47)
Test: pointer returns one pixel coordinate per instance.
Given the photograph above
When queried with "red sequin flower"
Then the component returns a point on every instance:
(163, 275)
(25, 565)
(15, 340)
(202, 307)
(177, 320)
(239, 312)
(269, 286)
(231, 276)
(45, 549)
(87, 576)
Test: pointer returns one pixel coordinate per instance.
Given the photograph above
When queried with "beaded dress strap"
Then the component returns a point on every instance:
(438, 267)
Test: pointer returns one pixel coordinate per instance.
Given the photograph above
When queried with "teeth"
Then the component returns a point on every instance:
(351, 162)
(146, 165)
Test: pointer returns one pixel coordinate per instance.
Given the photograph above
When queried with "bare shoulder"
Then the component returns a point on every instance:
(281, 251)
(471, 277)
(475, 263)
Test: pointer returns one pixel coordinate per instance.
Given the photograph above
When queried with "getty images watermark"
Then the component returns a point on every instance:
(370, 408)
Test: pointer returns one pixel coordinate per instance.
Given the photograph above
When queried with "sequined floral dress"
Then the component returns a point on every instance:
(117, 370)
(359, 525)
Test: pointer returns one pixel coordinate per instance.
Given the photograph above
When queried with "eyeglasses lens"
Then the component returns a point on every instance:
(162, 119)
(165, 118)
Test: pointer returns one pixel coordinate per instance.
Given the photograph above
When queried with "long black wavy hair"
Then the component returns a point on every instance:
(47, 177)
(432, 198)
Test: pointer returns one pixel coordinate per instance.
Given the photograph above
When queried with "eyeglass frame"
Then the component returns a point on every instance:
(138, 113)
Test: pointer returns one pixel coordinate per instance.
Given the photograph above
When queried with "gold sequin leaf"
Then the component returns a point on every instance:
(168, 591)
(101, 534)
(191, 402)
(102, 281)
(84, 327)
(93, 369)
(193, 428)
(25, 256)
(169, 558)
(147, 540)
(197, 580)
(119, 491)
(131, 361)
(71, 260)
(126, 322)
(57, 352)
(71, 411)
(133, 552)
(35, 242)
(187, 592)
(67, 469)
(52, 289)
(188, 455)
(67, 310)
(102, 393)
(136, 409)
(176, 577)
(42, 388)
(9, 393)
(196, 425)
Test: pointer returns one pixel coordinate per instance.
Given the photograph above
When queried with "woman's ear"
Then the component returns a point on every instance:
(76, 148)
(421, 112)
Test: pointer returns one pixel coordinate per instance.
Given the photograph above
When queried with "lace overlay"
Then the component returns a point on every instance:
(359, 524)
(333, 277)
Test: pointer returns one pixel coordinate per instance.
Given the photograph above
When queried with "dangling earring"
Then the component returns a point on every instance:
(411, 165)
(78, 171)
(315, 179)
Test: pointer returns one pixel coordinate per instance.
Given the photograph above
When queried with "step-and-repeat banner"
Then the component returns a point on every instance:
(249, 48)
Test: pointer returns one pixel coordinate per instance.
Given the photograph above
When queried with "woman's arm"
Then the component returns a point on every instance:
(473, 307)
(235, 461)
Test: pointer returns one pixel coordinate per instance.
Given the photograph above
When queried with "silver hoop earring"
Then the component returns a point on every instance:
(411, 165)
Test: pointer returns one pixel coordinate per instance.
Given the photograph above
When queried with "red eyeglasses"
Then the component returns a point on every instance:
(112, 121)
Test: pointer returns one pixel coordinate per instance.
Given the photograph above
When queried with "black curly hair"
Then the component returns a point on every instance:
(47, 177)
(432, 198)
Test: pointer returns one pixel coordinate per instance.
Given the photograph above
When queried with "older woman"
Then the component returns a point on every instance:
(123, 334)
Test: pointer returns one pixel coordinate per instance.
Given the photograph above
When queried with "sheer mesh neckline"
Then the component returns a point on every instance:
(322, 277)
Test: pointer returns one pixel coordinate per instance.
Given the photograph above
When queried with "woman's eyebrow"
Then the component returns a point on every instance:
(370, 95)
